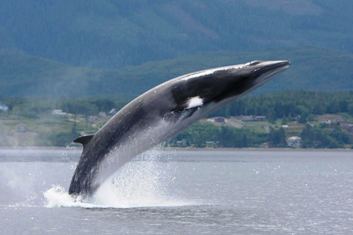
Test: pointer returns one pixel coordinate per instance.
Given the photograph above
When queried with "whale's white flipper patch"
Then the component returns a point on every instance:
(194, 102)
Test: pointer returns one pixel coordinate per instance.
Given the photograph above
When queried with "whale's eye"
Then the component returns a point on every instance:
(255, 62)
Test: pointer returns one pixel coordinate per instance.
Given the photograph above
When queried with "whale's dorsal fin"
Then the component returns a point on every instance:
(85, 139)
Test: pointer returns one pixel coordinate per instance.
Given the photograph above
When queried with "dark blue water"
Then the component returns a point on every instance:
(182, 192)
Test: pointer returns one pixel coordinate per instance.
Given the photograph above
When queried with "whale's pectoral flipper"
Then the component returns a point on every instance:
(85, 139)
(189, 112)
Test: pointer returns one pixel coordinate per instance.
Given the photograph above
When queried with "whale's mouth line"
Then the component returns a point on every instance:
(268, 71)
(273, 66)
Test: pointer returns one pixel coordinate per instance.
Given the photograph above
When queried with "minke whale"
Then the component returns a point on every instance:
(159, 114)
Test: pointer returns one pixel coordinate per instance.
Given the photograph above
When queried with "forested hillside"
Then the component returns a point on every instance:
(321, 120)
(28, 76)
(121, 48)
(114, 33)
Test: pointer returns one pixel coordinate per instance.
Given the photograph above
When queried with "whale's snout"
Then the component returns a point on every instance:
(263, 70)
(271, 66)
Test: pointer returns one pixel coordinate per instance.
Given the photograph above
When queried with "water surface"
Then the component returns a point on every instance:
(182, 192)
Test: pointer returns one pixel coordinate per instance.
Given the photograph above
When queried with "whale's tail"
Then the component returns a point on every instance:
(78, 185)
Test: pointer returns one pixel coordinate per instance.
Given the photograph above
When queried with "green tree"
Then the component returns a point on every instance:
(319, 137)
(277, 138)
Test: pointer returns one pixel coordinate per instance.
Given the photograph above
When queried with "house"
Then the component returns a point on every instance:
(181, 143)
(211, 144)
(3, 108)
(112, 111)
(250, 118)
(330, 119)
(93, 119)
(58, 112)
(217, 120)
(347, 127)
(221, 120)
(102, 114)
(294, 142)
(260, 118)
(245, 118)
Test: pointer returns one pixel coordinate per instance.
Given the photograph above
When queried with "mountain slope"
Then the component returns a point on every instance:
(24, 75)
(114, 33)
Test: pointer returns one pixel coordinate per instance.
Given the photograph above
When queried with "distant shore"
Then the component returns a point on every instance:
(191, 149)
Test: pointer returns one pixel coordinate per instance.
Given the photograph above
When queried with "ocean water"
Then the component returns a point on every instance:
(181, 192)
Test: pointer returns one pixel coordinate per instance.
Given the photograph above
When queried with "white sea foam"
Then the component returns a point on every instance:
(58, 197)
(138, 184)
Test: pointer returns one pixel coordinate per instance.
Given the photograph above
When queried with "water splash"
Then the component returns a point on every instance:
(20, 188)
(58, 197)
(140, 183)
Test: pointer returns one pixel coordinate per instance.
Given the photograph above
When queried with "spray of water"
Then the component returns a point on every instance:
(20, 188)
(140, 183)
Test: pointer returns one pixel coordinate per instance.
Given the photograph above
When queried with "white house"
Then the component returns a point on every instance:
(294, 141)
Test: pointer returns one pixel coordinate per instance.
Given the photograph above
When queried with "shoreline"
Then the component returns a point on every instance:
(186, 149)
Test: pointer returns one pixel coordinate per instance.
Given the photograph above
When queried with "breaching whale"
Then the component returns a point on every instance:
(159, 114)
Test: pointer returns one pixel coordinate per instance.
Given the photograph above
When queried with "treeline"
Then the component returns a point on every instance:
(32, 107)
(90, 106)
(321, 136)
(278, 108)
(208, 135)
(301, 105)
